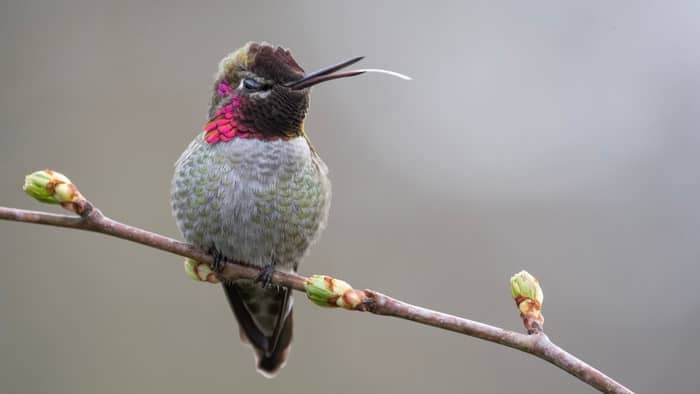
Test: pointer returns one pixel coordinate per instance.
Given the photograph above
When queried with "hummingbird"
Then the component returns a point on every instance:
(251, 188)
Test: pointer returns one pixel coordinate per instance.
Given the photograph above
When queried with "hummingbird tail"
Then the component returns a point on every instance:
(265, 321)
(269, 365)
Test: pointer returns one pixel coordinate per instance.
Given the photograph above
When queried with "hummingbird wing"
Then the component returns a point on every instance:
(265, 321)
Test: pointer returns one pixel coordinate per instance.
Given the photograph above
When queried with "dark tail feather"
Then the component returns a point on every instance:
(269, 365)
(265, 321)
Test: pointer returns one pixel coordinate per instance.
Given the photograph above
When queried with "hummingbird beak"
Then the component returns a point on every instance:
(325, 74)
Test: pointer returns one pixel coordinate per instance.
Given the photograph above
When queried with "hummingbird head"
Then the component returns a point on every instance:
(262, 92)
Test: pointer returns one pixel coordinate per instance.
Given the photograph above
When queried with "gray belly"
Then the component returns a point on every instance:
(258, 202)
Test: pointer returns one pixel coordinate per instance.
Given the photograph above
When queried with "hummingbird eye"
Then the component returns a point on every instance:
(251, 84)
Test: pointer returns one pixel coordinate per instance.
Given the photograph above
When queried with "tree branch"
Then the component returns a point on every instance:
(537, 344)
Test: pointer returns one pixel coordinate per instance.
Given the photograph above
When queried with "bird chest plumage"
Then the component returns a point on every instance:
(254, 201)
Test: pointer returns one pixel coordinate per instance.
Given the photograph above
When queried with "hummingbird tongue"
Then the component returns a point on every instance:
(387, 72)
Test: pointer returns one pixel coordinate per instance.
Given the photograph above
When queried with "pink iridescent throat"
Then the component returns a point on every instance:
(228, 121)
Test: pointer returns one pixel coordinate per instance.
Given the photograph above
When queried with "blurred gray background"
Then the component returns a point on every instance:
(560, 138)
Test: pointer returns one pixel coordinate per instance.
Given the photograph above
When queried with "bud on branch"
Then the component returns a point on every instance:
(52, 187)
(528, 296)
(326, 291)
(200, 272)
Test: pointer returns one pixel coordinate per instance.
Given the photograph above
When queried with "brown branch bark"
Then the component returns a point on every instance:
(537, 344)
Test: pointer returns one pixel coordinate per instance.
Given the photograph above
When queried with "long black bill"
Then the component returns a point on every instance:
(326, 74)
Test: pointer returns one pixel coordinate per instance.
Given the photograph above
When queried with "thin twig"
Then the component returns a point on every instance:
(537, 344)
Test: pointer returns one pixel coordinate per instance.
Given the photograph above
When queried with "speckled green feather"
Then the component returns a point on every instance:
(254, 201)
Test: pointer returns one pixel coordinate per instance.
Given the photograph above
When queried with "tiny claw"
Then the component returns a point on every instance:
(265, 276)
(219, 261)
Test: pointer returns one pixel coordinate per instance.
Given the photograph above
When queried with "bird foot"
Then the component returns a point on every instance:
(265, 275)
(203, 272)
(219, 260)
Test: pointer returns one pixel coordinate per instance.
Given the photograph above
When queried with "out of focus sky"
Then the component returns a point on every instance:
(559, 137)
